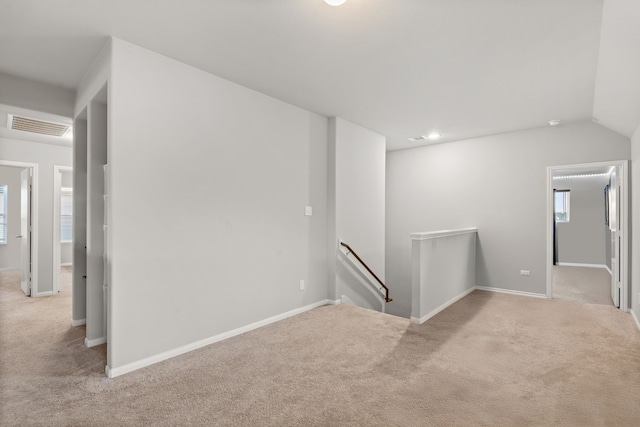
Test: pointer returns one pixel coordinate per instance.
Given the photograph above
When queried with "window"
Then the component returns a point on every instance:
(562, 205)
(66, 215)
(3, 214)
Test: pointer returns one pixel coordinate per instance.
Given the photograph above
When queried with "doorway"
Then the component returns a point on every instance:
(22, 230)
(62, 222)
(587, 238)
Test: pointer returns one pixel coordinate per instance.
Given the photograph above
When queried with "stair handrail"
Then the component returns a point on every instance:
(386, 296)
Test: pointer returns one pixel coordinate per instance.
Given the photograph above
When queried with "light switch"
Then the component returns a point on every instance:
(308, 210)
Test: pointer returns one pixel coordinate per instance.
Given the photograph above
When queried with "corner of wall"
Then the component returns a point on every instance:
(331, 209)
(635, 222)
(95, 78)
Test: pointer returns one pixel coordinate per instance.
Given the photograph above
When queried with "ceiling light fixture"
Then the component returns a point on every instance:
(334, 2)
(430, 137)
(555, 122)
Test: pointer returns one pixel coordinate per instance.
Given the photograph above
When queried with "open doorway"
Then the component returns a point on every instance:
(18, 223)
(588, 233)
(62, 226)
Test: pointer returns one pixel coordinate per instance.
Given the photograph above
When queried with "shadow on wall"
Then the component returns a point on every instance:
(482, 270)
(355, 284)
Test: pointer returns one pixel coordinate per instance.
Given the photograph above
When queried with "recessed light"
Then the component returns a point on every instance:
(555, 122)
(430, 137)
(334, 2)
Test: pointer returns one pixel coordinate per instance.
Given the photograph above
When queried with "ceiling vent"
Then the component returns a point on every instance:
(419, 138)
(27, 124)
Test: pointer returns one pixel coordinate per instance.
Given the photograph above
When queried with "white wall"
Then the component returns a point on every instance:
(239, 168)
(357, 213)
(582, 239)
(635, 222)
(10, 252)
(46, 156)
(617, 91)
(24, 93)
(496, 183)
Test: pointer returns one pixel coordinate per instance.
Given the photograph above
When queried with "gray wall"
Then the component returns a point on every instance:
(496, 183)
(240, 167)
(582, 239)
(356, 191)
(10, 253)
(635, 222)
(23, 93)
(46, 156)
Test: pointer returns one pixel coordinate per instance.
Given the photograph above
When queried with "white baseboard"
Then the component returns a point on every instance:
(94, 342)
(609, 270)
(78, 322)
(512, 292)
(577, 264)
(44, 294)
(66, 264)
(10, 269)
(635, 318)
(334, 302)
(130, 367)
(421, 320)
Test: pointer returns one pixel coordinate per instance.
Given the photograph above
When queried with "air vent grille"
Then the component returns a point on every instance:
(418, 138)
(37, 126)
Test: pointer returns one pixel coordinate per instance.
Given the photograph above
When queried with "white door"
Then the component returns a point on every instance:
(25, 230)
(615, 193)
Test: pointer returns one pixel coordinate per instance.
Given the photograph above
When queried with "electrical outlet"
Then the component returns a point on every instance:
(302, 285)
(525, 273)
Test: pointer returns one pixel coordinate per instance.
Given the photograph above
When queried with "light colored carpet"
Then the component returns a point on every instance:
(488, 360)
(582, 284)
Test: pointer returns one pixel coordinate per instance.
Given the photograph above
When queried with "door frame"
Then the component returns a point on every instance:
(57, 181)
(623, 207)
(34, 222)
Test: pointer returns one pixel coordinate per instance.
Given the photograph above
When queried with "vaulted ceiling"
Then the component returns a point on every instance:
(403, 68)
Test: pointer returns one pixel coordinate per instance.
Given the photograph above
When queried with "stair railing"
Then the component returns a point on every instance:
(386, 290)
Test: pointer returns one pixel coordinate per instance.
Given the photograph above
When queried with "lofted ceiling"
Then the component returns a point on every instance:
(402, 68)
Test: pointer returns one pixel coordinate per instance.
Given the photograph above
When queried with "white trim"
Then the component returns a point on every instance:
(94, 342)
(43, 294)
(511, 292)
(635, 318)
(57, 183)
(130, 367)
(78, 322)
(577, 264)
(609, 270)
(66, 264)
(10, 269)
(445, 233)
(34, 219)
(624, 224)
(334, 302)
(421, 320)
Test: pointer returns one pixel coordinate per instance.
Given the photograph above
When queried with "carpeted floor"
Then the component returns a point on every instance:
(582, 284)
(488, 360)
